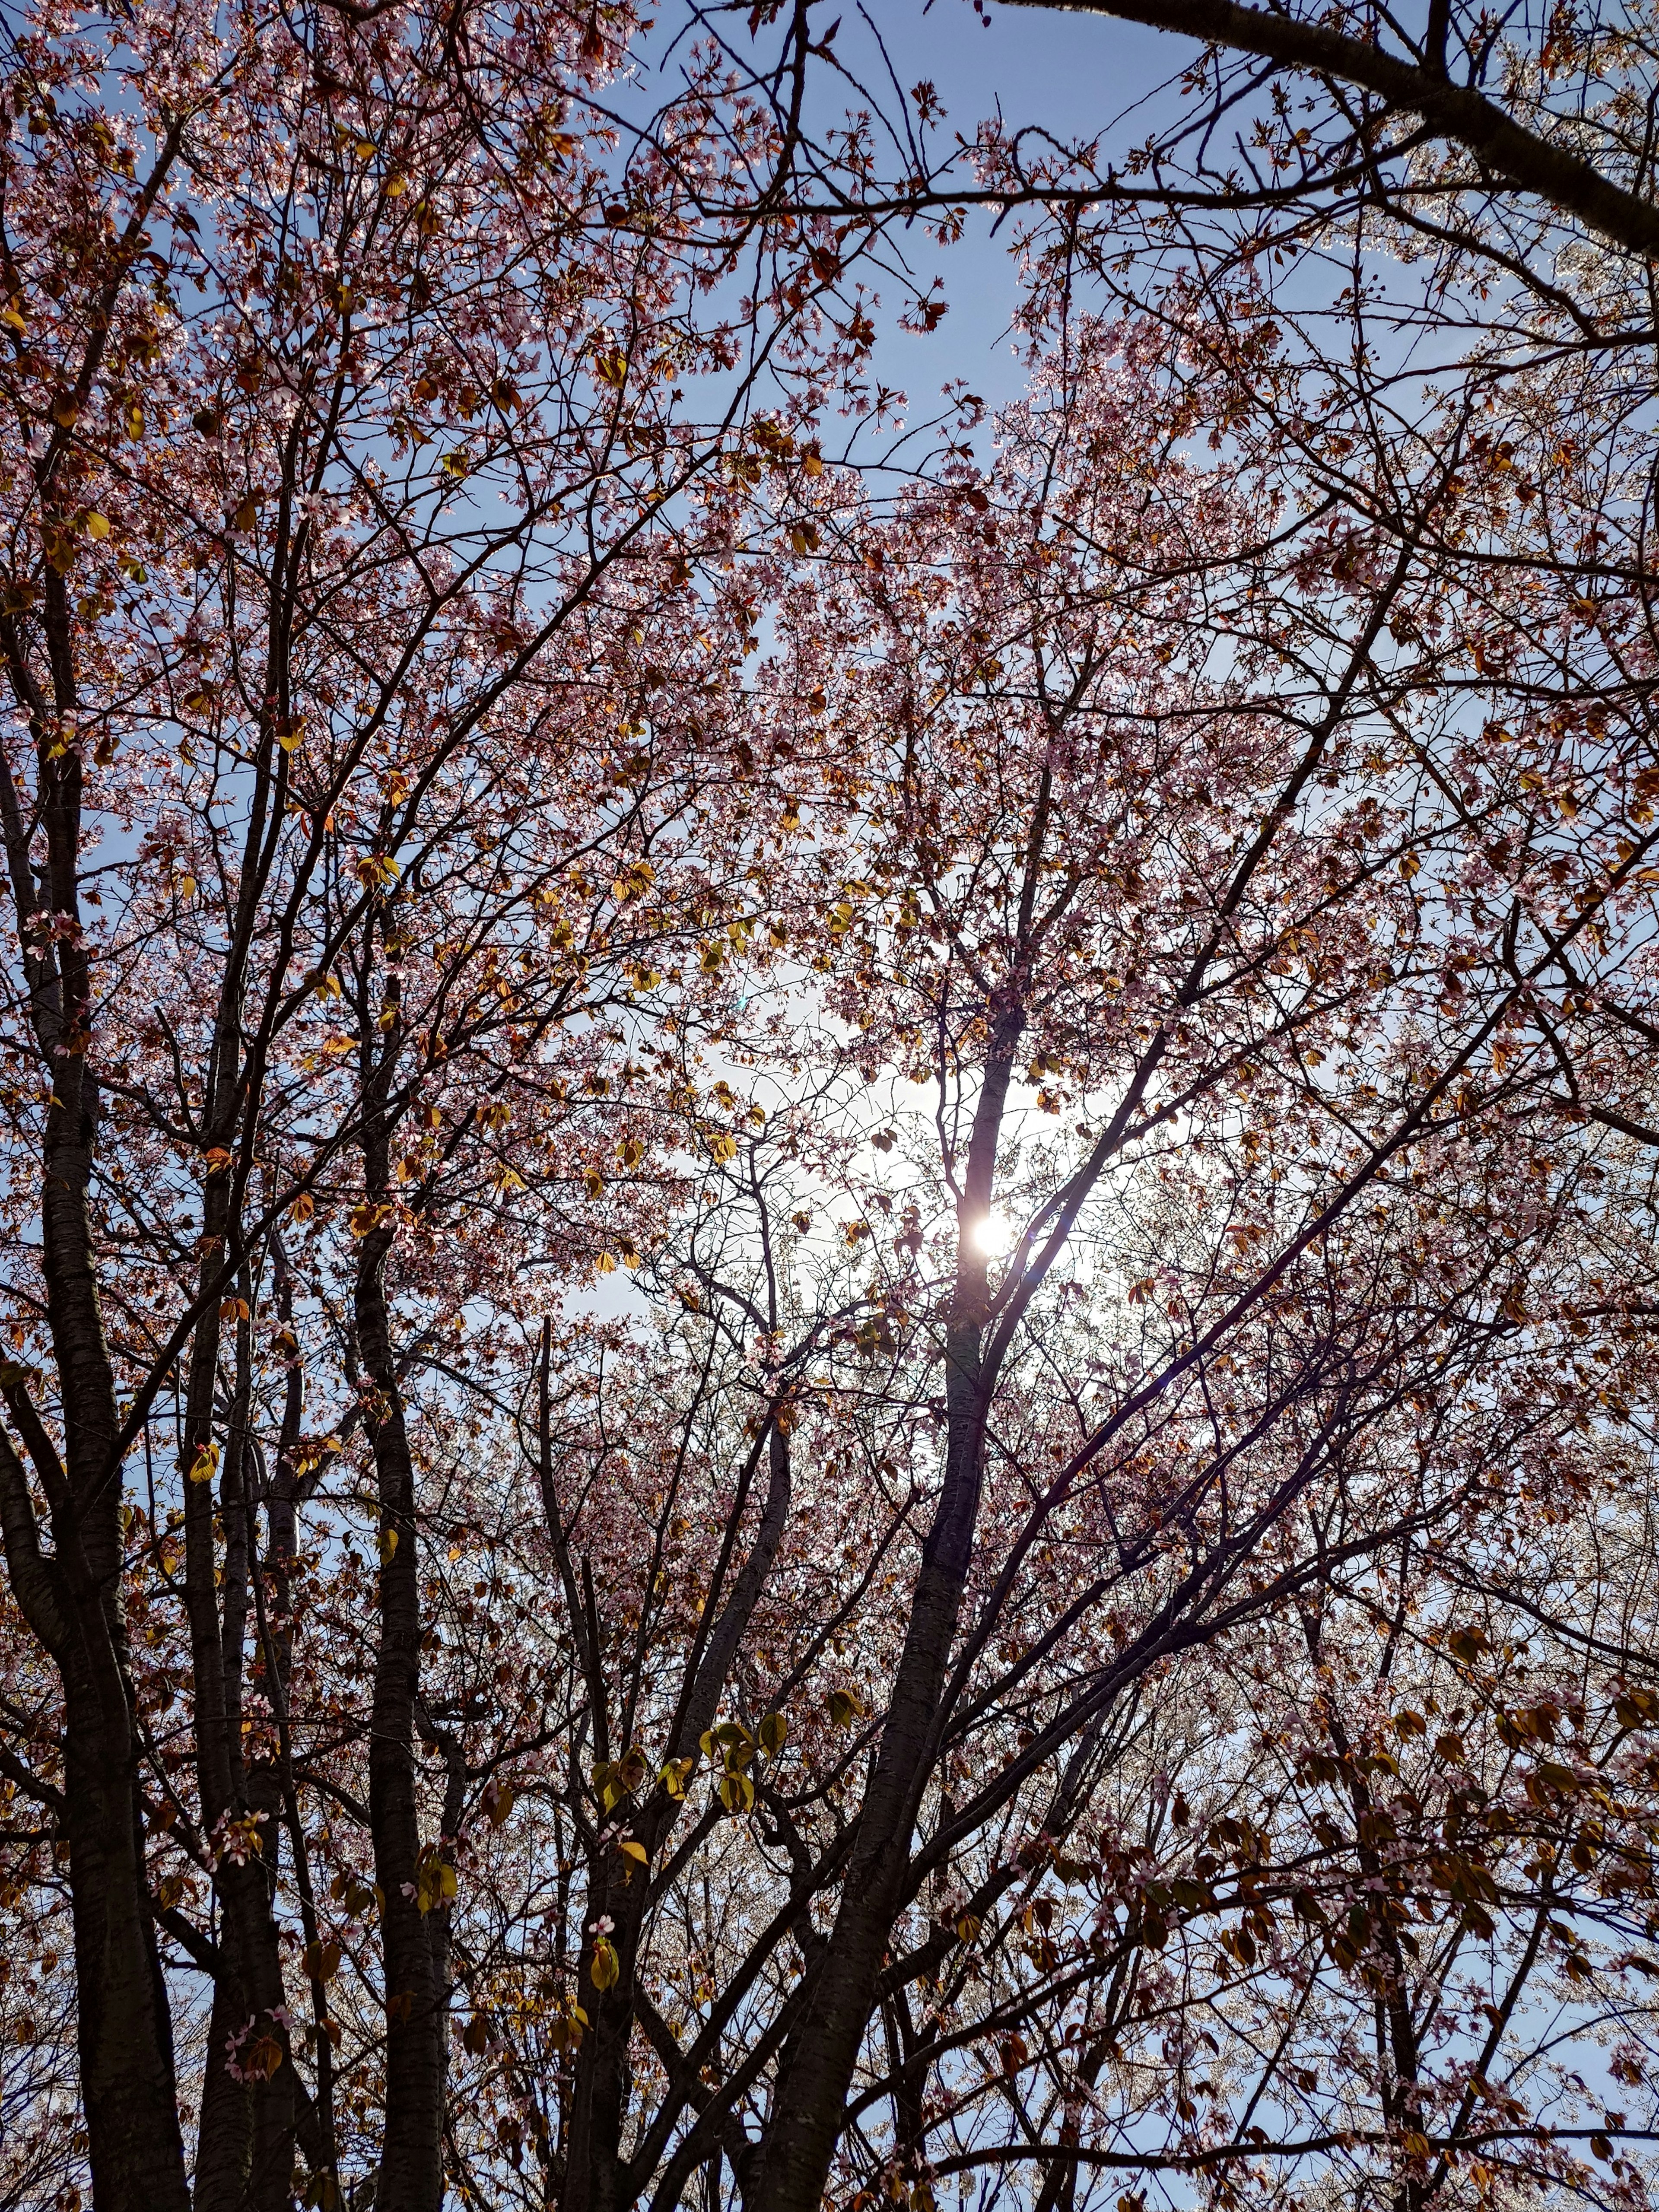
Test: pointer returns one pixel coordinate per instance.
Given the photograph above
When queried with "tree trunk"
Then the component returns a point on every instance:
(811, 2093)
(125, 2033)
(244, 2144)
(411, 2153)
(128, 2087)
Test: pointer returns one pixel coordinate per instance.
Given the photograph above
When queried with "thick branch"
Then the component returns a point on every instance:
(1455, 111)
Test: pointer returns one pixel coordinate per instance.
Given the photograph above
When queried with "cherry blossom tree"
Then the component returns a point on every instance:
(1078, 1480)
(350, 461)
(828, 1309)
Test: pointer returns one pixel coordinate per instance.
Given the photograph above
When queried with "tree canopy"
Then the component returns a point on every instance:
(829, 1265)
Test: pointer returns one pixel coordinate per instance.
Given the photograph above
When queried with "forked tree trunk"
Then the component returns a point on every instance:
(822, 2052)
(812, 2094)
(73, 1603)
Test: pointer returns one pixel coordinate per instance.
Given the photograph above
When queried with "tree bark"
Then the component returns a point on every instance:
(244, 2142)
(74, 1600)
(411, 2153)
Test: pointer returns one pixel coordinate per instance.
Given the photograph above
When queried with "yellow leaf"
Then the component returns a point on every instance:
(388, 1545)
(604, 1969)
(203, 1467)
(435, 1883)
(638, 879)
(723, 1146)
(263, 2055)
(773, 1731)
(630, 1850)
(98, 526)
(321, 1961)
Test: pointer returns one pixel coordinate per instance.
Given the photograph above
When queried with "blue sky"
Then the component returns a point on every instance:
(1079, 75)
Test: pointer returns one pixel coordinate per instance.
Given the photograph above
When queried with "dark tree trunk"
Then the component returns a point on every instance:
(125, 2033)
(73, 1601)
(412, 2154)
(244, 2144)
(811, 2093)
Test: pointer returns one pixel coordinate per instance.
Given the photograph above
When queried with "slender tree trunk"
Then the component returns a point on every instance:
(224, 2137)
(124, 2032)
(269, 1784)
(74, 1601)
(128, 2091)
(812, 2093)
(412, 2154)
(244, 2145)
(412, 2171)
